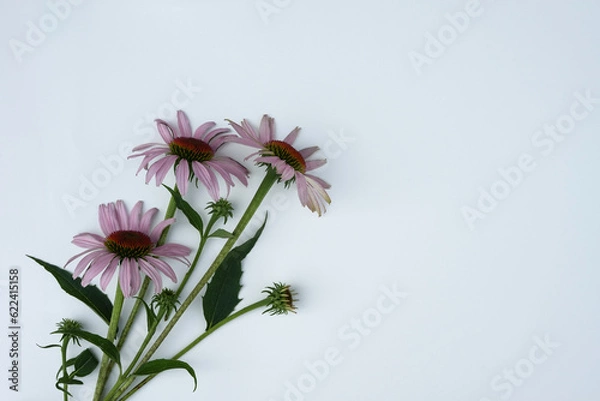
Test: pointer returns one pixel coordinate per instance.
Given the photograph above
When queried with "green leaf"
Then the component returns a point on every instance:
(62, 389)
(150, 315)
(222, 292)
(49, 346)
(106, 346)
(85, 363)
(160, 365)
(220, 233)
(189, 212)
(90, 295)
(68, 380)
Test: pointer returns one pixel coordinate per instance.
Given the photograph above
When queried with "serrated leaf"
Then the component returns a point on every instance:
(160, 365)
(85, 363)
(106, 346)
(189, 212)
(150, 315)
(220, 233)
(222, 292)
(90, 295)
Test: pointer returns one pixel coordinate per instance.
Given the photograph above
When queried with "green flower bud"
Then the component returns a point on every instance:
(67, 327)
(165, 300)
(221, 208)
(281, 299)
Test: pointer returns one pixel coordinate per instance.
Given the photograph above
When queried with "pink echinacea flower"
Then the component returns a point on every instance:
(289, 163)
(191, 155)
(130, 245)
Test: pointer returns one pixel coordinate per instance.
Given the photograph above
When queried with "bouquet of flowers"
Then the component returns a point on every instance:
(134, 251)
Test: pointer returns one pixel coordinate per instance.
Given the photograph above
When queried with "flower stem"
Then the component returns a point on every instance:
(110, 336)
(261, 192)
(191, 345)
(270, 179)
(63, 354)
(151, 332)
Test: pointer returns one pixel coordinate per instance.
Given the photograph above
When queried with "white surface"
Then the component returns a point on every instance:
(421, 143)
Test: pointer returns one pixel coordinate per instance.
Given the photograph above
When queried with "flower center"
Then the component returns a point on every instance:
(191, 149)
(288, 154)
(129, 244)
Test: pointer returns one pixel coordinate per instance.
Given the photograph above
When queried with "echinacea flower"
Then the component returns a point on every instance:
(130, 245)
(191, 155)
(289, 163)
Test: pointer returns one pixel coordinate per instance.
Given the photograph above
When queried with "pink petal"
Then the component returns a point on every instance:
(307, 152)
(302, 189)
(126, 277)
(150, 156)
(135, 216)
(86, 260)
(232, 167)
(321, 182)
(160, 169)
(247, 142)
(157, 231)
(185, 128)
(108, 274)
(107, 220)
(212, 135)
(266, 129)
(164, 268)
(219, 169)
(216, 143)
(81, 254)
(136, 280)
(88, 240)
(172, 250)
(122, 215)
(146, 220)
(291, 137)
(287, 172)
(208, 178)
(96, 268)
(314, 164)
(202, 130)
(182, 176)
(249, 131)
(165, 131)
(238, 128)
(151, 272)
(143, 147)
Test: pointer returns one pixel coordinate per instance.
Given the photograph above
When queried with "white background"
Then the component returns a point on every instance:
(416, 133)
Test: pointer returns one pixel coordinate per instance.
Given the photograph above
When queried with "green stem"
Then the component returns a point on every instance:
(110, 336)
(261, 192)
(270, 179)
(191, 345)
(154, 326)
(192, 267)
(63, 354)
